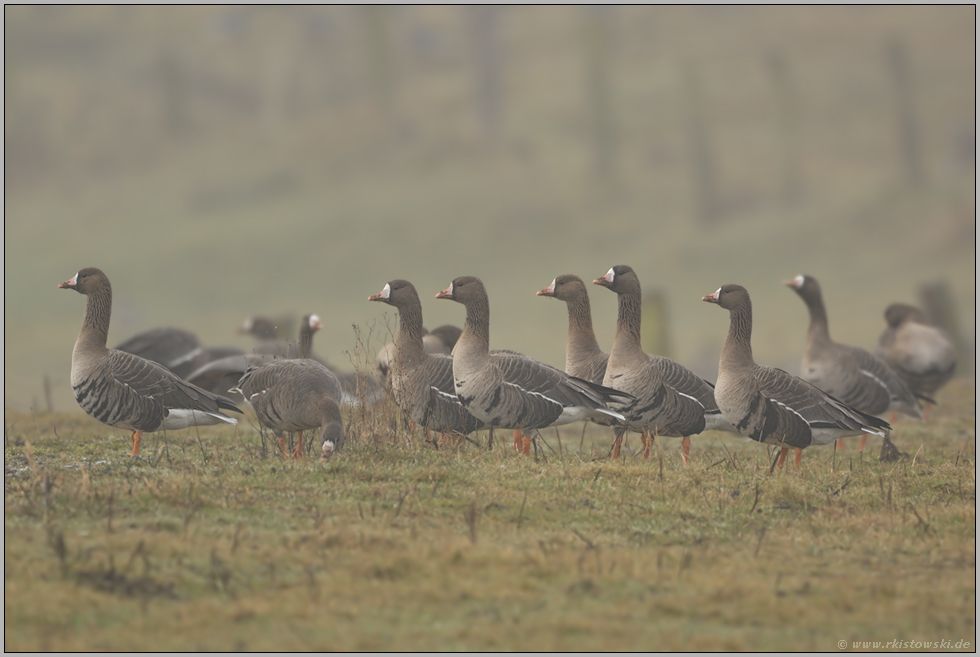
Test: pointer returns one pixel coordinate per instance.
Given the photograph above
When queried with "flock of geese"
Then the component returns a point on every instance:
(450, 382)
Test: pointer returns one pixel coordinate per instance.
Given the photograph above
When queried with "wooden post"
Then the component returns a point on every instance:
(598, 41)
(908, 134)
(482, 23)
(701, 159)
(787, 107)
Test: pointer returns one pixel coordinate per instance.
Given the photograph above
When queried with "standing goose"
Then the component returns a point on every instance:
(583, 357)
(769, 405)
(422, 382)
(850, 374)
(296, 396)
(126, 391)
(921, 354)
(671, 400)
(509, 390)
(432, 343)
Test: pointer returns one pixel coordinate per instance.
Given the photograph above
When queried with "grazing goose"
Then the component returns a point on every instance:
(126, 391)
(296, 396)
(671, 400)
(509, 390)
(921, 354)
(769, 405)
(422, 382)
(222, 375)
(850, 374)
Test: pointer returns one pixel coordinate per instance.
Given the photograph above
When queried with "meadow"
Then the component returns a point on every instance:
(212, 541)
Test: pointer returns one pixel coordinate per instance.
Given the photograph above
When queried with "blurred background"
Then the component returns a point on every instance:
(224, 162)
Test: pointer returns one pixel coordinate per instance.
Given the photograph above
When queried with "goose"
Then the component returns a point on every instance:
(507, 389)
(421, 381)
(124, 390)
(296, 396)
(769, 405)
(921, 354)
(178, 350)
(583, 357)
(220, 376)
(671, 400)
(851, 374)
(261, 328)
(432, 343)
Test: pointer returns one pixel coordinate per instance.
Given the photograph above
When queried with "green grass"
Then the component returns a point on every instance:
(211, 541)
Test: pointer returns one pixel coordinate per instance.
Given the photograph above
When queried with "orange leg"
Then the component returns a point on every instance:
(864, 441)
(925, 412)
(686, 448)
(137, 436)
(647, 441)
(840, 443)
(782, 457)
(799, 455)
(617, 443)
(518, 440)
(298, 450)
(282, 445)
(526, 444)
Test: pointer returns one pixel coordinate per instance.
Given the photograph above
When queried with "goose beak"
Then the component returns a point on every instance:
(445, 294)
(70, 284)
(795, 283)
(548, 291)
(382, 295)
(713, 297)
(606, 280)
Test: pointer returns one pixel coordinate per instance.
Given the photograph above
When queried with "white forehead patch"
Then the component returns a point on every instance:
(610, 275)
(717, 293)
(314, 321)
(798, 281)
(386, 291)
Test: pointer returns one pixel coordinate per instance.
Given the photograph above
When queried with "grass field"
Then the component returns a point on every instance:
(211, 541)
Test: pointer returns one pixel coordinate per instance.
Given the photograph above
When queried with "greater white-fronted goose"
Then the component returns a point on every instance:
(221, 376)
(769, 405)
(296, 396)
(126, 391)
(178, 350)
(851, 374)
(422, 382)
(261, 328)
(509, 390)
(583, 357)
(921, 354)
(671, 400)
(432, 343)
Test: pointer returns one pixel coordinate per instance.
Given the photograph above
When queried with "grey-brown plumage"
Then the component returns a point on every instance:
(509, 390)
(432, 343)
(178, 350)
(124, 390)
(583, 357)
(221, 376)
(261, 328)
(671, 400)
(296, 396)
(422, 382)
(921, 354)
(769, 405)
(851, 374)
